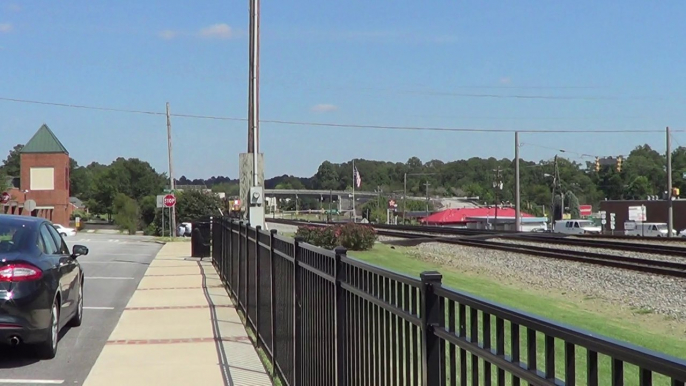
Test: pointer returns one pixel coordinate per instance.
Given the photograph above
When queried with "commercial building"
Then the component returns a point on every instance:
(43, 189)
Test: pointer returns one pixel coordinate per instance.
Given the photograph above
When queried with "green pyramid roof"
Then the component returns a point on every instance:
(44, 141)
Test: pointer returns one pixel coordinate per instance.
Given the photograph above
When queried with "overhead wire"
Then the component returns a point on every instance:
(335, 125)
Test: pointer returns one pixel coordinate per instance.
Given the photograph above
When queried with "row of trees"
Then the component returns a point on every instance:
(125, 191)
(643, 173)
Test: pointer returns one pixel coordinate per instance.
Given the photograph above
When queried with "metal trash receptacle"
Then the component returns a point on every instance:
(200, 239)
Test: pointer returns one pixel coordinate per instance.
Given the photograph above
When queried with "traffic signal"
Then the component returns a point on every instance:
(675, 192)
(619, 164)
(597, 164)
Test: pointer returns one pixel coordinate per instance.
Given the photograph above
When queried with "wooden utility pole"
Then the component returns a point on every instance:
(426, 184)
(172, 210)
(670, 205)
(518, 199)
(497, 186)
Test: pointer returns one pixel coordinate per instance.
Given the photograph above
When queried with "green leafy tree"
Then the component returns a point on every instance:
(195, 204)
(126, 214)
(11, 166)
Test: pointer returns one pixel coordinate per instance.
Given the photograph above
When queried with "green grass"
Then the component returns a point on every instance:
(639, 327)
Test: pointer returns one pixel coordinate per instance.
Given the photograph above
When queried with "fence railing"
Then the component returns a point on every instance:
(324, 318)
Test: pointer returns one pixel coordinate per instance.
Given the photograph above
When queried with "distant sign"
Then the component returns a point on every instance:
(585, 210)
(5, 197)
(638, 213)
(392, 204)
(160, 200)
(169, 200)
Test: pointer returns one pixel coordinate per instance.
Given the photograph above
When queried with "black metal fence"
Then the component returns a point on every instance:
(324, 318)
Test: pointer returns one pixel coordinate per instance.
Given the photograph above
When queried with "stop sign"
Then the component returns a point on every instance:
(169, 200)
(5, 197)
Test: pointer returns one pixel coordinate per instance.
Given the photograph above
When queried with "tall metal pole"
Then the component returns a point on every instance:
(172, 222)
(670, 209)
(518, 209)
(404, 196)
(253, 91)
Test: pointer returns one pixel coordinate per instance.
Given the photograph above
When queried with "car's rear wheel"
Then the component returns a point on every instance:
(48, 348)
(78, 317)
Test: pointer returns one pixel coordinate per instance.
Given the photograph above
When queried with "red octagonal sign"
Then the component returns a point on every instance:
(169, 200)
(5, 197)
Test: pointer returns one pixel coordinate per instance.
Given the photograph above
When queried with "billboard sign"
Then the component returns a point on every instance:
(638, 213)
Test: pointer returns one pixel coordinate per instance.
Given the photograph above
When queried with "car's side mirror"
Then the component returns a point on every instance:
(79, 250)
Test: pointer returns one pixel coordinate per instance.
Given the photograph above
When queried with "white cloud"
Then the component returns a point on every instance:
(167, 34)
(219, 31)
(5, 27)
(324, 107)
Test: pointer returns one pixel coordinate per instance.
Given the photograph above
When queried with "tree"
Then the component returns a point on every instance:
(192, 205)
(11, 166)
(573, 204)
(327, 177)
(126, 215)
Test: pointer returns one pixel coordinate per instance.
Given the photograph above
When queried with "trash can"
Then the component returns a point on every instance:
(200, 239)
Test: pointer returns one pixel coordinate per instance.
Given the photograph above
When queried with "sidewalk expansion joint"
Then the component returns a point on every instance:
(178, 307)
(178, 288)
(177, 274)
(235, 339)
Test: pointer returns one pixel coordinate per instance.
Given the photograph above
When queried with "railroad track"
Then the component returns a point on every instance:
(549, 238)
(660, 267)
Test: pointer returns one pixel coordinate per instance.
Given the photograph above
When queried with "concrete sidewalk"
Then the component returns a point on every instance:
(179, 328)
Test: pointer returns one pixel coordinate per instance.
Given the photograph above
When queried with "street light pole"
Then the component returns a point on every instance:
(404, 196)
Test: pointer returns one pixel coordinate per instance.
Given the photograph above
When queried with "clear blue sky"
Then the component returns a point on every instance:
(396, 63)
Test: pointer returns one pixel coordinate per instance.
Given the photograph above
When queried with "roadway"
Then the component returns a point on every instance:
(113, 268)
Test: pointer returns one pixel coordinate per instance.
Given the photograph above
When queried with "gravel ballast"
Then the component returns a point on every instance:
(647, 292)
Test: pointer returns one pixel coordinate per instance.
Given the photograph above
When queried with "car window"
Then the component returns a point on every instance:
(11, 237)
(576, 225)
(40, 243)
(62, 248)
(48, 240)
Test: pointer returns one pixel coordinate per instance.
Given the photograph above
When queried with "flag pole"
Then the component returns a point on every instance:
(354, 182)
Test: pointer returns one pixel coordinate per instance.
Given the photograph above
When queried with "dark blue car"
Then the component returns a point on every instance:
(41, 283)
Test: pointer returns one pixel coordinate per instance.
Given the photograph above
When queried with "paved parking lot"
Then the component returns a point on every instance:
(113, 269)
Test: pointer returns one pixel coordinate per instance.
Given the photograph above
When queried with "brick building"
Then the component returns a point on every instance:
(44, 179)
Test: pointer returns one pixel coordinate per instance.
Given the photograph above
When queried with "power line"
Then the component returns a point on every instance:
(339, 125)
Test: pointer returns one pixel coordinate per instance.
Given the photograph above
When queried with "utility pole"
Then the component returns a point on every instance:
(497, 186)
(255, 199)
(172, 223)
(404, 196)
(518, 209)
(426, 184)
(670, 209)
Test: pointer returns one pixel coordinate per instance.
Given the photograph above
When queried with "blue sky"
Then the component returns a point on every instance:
(456, 64)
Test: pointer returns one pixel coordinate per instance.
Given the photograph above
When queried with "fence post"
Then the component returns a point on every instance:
(296, 310)
(239, 263)
(339, 318)
(258, 230)
(431, 318)
(272, 296)
(246, 272)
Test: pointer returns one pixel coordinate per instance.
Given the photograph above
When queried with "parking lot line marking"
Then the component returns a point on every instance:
(108, 278)
(33, 381)
(98, 308)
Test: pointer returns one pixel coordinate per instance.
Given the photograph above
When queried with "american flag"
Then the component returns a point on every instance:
(356, 176)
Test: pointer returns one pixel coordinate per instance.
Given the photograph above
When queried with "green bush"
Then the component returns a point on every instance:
(355, 237)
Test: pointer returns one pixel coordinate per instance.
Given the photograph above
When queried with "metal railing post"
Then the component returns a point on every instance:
(339, 318)
(272, 296)
(296, 311)
(430, 312)
(258, 230)
(246, 270)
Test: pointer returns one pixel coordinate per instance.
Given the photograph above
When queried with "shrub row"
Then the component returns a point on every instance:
(354, 237)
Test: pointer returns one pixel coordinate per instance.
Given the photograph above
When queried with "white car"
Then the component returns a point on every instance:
(65, 232)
